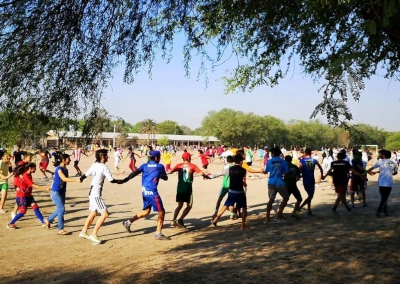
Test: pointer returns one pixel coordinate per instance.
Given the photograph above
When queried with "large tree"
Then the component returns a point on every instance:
(169, 127)
(148, 128)
(62, 52)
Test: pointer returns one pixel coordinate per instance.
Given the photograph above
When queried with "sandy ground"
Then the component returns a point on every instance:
(343, 248)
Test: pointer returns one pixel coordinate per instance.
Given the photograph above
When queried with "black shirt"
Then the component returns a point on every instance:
(340, 172)
(236, 175)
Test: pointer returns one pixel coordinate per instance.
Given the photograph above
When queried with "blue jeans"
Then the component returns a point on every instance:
(58, 198)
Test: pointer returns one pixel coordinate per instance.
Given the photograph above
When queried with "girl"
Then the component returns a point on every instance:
(24, 196)
(58, 191)
(4, 176)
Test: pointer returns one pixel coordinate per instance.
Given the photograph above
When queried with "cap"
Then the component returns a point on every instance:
(186, 156)
(155, 153)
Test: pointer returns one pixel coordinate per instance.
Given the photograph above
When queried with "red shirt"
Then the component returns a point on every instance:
(203, 159)
(191, 169)
(25, 186)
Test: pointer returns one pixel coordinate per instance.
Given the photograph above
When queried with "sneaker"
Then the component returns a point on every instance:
(276, 220)
(214, 223)
(11, 226)
(2, 211)
(46, 224)
(127, 226)
(161, 237)
(94, 239)
(45, 177)
(180, 223)
(13, 215)
(214, 216)
(83, 235)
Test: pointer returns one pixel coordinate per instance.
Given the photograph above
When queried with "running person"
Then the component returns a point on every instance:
(24, 196)
(58, 192)
(236, 194)
(167, 159)
(77, 154)
(117, 158)
(185, 188)
(387, 169)
(204, 161)
(44, 163)
(131, 154)
(291, 184)
(100, 171)
(307, 168)
(152, 171)
(225, 187)
(17, 155)
(4, 176)
(357, 181)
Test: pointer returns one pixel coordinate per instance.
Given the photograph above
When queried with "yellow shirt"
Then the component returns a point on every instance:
(167, 158)
(234, 150)
(245, 166)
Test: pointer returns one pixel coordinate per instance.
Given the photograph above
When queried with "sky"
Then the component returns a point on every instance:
(188, 100)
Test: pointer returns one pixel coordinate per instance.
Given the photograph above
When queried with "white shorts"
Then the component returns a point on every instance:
(97, 204)
(116, 164)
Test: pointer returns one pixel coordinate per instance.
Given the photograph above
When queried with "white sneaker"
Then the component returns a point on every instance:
(13, 215)
(94, 239)
(83, 235)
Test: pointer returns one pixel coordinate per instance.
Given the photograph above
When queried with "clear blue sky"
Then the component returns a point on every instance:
(188, 101)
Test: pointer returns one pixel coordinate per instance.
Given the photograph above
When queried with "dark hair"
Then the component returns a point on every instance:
(276, 152)
(308, 151)
(200, 151)
(63, 157)
(18, 146)
(385, 153)
(229, 159)
(101, 153)
(288, 159)
(341, 155)
(239, 152)
(238, 158)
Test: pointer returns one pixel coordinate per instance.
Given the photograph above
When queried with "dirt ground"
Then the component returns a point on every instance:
(348, 247)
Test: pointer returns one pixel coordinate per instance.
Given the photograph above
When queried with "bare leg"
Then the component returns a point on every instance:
(3, 198)
(269, 207)
(140, 215)
(89, 221)
(177, 210)
(281, 207)
(186, 211)
(160, 221)
(244, 215)
(100, 222)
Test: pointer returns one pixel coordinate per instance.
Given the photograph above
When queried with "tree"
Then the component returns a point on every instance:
(121, 139)
(136, 127)
(148, 128)
(63, 52)
(97, 122)
(393, 141)
(163, 141)
(186, 130)
(169, 127)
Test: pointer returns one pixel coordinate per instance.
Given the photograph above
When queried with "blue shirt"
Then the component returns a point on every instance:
(58, 184)
(276, 167)
(152, 172)
(386, 169)
(307, 170)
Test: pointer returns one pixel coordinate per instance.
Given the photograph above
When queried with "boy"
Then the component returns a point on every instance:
(99, 171)
(291, 184)
(167, 159)
(225, 187)
(185, 190)
(152, 171)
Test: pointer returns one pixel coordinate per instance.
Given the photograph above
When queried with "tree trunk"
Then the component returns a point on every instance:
(397, 234)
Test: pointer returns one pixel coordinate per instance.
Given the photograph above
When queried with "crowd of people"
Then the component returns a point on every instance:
(346, 171)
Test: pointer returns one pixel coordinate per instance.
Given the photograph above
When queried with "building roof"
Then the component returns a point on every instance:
(110, 135)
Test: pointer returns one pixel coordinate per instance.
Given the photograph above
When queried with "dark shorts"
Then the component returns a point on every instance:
(236, 198)
(184, 197)
(340, 188)
(249, 163)
(310, 189)
(205, 166)
(356, 185)
(76, 163)
(24, 201)
(295, 191)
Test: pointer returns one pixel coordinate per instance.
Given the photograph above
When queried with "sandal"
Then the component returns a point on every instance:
(46, 224)
(62, 232)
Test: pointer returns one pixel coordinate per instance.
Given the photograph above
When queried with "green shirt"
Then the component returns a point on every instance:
(226, 180)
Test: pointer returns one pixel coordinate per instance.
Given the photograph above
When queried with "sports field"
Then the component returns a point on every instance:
(325, 248)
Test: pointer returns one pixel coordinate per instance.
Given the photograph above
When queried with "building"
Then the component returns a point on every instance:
(66, 138)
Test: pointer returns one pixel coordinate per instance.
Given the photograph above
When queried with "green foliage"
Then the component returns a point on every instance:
(186, 130)
(62, 53)
(163, 141)
(393, 142)
(148, 128)
(169, 127)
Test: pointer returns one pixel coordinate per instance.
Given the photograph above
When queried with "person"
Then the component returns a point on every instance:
(236, 193)
(291, 184)
(152, 171)
(307, 167)
(58, 192)
(117, 158)
(167, 159)
(224, 188)
(100, 171)
(21, 165)
(357, 181)
(95, 148)
(131, 154)
(226, 152)
(387, 169)
(249, 157)
(57, 157)
(141, 149)
(204, 161)
(185, 188)
(17, 155)
(326, 165)
(4, 176)
(340, 171)
(44, 162)
(277, 169)
(77, 154)
(24, 196)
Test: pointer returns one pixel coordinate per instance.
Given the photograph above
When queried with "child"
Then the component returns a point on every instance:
(44, 162)
(167, 159)
(131, 154)
(4, 176)
(99, 171)
(24, 196)
(225, 187)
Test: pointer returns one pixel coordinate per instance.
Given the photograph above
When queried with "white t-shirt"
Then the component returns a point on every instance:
(326, 164)
(294, 154)
(99, 171)
(386, 169)
(117, 157)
